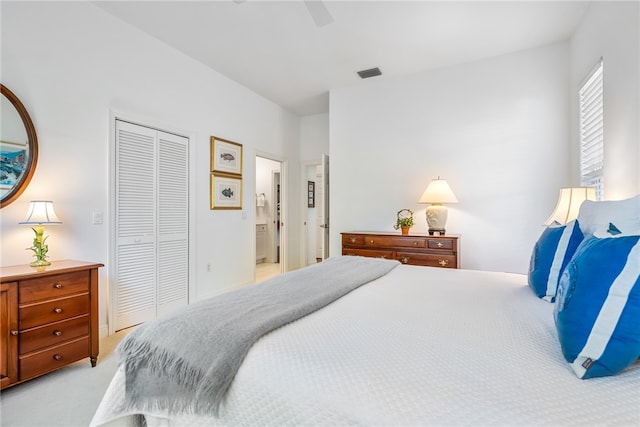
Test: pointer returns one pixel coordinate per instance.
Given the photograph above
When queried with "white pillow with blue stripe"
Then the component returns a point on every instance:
(597, 310)
(550, 256)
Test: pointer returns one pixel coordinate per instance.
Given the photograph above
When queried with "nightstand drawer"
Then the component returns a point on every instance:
(53, 358)
(428, 260)
(402, 242)
(53, 286)
(53, 334)
(371, 253)
(53, 311)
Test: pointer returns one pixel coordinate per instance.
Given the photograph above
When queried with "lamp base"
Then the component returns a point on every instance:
(40, 263)
(436, 218)
(440, 231)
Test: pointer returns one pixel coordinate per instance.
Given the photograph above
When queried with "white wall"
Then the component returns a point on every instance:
(611, 30)
(497, 130)
(72, 64)
(314, 137)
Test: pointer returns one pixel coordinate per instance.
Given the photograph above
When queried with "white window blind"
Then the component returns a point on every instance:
(592, 131)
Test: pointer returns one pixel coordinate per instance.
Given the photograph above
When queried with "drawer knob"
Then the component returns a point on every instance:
(57, 333)
(383, 256)
(371, 241)
(415, 243)
(57, 286)
(57, 310)
(439, 244)
(57, 357)
(14, 333)
(443, 262)
(404, 259)
(352, 239)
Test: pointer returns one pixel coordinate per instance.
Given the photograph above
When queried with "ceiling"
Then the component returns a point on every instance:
(276, 49)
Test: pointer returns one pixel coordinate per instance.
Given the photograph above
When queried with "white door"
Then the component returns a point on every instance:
(151, 224)
(173, 222)
(324, 223)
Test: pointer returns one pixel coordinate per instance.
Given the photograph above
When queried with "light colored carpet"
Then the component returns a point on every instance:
(68, 397)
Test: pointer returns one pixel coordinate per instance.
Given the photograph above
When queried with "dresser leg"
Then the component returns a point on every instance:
(93, 359)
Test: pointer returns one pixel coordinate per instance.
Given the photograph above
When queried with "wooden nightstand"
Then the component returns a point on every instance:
(413, 249)
(48, 318)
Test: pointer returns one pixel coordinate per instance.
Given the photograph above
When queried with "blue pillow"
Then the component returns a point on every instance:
(550, 256)
(597, 311)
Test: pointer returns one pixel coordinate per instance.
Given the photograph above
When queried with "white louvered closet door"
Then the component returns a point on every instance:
(173, 222)
(152, 257)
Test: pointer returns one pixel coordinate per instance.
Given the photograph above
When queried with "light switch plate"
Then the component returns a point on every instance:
(96, 217)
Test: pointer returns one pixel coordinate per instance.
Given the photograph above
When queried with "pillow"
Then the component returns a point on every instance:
(625, 214)
(551, 254)
(597, 311)
(613, 231)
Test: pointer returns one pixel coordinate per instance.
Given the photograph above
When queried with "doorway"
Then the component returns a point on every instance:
(269, 218)
(316, 184)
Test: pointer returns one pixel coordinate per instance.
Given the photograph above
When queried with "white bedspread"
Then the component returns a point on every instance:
(419, 346)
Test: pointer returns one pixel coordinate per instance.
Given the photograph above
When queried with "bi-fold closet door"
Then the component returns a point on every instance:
(151, 272)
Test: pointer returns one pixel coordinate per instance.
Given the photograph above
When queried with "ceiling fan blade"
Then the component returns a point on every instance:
(318, 12)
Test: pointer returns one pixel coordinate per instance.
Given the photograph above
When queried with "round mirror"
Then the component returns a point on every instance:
(18, 148)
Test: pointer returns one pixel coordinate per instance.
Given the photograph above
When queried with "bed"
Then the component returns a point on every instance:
(415, 346)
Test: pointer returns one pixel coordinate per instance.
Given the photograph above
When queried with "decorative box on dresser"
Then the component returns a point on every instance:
(48, 318)
(413, 249)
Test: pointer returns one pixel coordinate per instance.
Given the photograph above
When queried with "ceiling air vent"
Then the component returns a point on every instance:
(371, 72)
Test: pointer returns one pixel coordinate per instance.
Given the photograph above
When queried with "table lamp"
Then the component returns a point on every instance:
(437, 193)
(569, 201)
(40, 212)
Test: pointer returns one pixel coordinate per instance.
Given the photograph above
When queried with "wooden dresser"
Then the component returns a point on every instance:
(48, 318)
(413, 249)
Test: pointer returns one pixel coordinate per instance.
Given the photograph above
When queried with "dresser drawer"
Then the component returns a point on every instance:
(53, 311)
(53, 334)
(443, 244)
(429, 260)
(352, 239)
(371, 253)
(401, 242)
(56, 286)
(53, 358)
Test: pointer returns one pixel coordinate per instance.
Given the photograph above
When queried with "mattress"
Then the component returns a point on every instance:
(418, 346)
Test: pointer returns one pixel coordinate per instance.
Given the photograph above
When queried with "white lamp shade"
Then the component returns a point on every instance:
(569, 201)
(438, 191)
(41, 212)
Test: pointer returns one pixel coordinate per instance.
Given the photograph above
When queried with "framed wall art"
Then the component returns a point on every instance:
(226, 156)
(226, 192)
(311, 194)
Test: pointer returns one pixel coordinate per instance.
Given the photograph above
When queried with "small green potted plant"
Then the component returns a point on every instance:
(404, 220)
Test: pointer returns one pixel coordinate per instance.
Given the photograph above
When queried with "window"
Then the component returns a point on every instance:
(591, 132)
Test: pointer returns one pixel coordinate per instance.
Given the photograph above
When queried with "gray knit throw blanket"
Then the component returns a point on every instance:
(185, 362)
